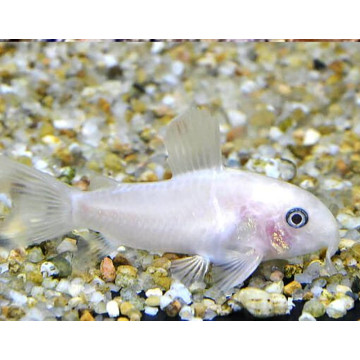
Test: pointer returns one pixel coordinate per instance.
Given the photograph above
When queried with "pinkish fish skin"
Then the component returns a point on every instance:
(231, 218)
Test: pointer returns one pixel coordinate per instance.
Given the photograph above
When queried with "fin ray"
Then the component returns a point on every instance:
(190, 269)
(235, 269)
(193, 142)
(41, 205)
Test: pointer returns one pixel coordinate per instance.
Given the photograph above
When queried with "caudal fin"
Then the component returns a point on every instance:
(41, 205)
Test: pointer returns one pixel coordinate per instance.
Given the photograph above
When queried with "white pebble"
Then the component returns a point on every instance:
(186, 313)
(153, 292)
(311, 137)
(63, 286)
(275, 287)
(305, 316)
(110, 60)
(112, 308)
(236, 118)
(34, 314)
(275, 133)
(37, 291)
(348, 221)
(100, 308)
(48, 269)
(336, 309)
(177, 68)
(96, 297)
(157, 47)
(4, 267)
(168, 100)
(151, 310)
(63, 124)
(17, 298)
(76, 287)
(165, 300)
(178, 290)
(50, 283)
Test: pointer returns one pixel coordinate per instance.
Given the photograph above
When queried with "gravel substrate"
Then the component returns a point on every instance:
(74, 110)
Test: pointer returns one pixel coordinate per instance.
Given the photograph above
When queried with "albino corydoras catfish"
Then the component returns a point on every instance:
(233, 219)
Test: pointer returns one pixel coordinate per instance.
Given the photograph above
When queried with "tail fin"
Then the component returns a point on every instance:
(41, 205)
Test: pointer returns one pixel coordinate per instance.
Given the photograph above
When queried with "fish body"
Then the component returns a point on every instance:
(231, 218)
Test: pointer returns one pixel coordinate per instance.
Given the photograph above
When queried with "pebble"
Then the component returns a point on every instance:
(291, 287)
(153, 300)
(173, 308)
(18, 298)
(348, 221)
(97, 297)
(49, 269)
(76, 287)
(35, 255)
(100, 307)
(154, 292)
(112, 308)
(186, 313)
(180, 291)
(311, 137)
(260, 303)
(150, 310)
(63, 286)
(306, 317)
(126, 307)
(107, 269)
(336, 309)
(67, 244)
(275, 287)
(86, 316)
(314, 307)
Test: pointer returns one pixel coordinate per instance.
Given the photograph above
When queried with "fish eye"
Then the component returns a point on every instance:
(297, 218)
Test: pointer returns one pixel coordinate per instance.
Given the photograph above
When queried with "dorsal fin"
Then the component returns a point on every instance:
(193, 142)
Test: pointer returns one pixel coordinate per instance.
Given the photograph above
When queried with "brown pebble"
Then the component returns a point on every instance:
(120, 260)
(107, 269)
(162, 262)
(82, 184)
(308, 295)
(173, 308)
(291, 287)
(171, 256)
(292, 269)
(86, 316)
(235, 133)
(199, 309)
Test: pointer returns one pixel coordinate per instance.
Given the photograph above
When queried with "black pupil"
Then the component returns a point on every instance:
(296, 219)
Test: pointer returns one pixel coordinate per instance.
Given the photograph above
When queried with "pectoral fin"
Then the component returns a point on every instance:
(190, 269)
(235, 268)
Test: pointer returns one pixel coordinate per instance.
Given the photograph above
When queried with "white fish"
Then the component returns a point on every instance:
(233, 219)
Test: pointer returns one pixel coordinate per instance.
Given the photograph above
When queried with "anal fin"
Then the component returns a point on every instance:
(190, 269)
(235, 268)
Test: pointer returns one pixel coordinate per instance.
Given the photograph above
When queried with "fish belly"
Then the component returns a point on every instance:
(182, 215)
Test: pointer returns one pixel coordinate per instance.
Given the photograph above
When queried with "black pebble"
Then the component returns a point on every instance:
(318, 65)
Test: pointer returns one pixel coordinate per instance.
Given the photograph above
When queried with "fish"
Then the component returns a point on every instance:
(223, 219)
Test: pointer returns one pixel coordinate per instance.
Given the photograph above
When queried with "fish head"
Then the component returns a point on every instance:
(295, 223)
